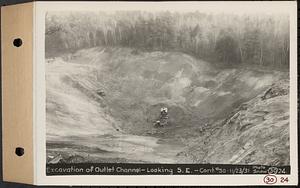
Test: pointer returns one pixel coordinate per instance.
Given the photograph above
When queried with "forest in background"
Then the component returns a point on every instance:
(223, 39)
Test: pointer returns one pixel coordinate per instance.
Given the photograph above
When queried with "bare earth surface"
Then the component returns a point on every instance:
(101, 105)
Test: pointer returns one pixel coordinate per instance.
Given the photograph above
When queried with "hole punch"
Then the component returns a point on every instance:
(18, 42)
(20, 151)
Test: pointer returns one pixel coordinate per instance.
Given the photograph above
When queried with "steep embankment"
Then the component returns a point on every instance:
(113, 95)
(257, 132)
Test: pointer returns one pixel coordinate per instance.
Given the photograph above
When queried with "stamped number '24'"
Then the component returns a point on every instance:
(284, 179)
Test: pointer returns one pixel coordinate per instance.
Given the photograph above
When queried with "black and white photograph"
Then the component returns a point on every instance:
(167, 87)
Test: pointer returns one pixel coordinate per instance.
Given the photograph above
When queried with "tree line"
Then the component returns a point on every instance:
(227, 39)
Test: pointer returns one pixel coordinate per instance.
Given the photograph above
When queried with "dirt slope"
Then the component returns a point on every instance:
(255, 133)
(117, 92)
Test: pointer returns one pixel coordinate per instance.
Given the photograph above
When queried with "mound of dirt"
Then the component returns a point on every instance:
(255, 133)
